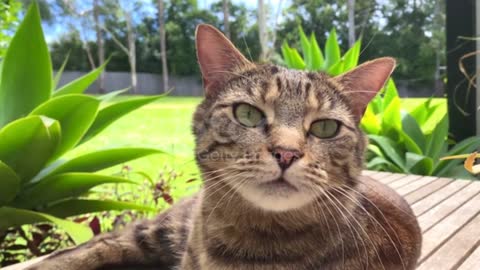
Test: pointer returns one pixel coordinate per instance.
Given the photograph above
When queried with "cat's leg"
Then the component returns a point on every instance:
(158, 243)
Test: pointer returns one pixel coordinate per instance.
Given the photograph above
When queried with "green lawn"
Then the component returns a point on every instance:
(166, 125)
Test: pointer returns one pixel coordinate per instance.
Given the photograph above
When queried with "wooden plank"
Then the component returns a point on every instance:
(368, 173)
(404, 181)
(451, 254)
(440, 211)
(385, 179)
(426, 190)
(438, 234)
(473, 261)
(412, 186)
(437, 197)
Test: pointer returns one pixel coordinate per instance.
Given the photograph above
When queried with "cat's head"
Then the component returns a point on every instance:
(281, 138)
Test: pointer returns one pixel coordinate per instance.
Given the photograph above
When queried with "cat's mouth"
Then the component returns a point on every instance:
(280, 183)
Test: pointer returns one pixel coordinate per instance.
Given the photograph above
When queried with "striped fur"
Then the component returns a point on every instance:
(329, 218)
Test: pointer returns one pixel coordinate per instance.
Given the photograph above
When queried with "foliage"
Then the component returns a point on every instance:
(9, 11)
(182, 16)
(22, 243)
(39, 124)
(412, 31)
(313, 58)
(400, 141)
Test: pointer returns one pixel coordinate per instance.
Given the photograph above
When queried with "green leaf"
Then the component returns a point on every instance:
(377, 161)
(413, 130)
(27, 145)
(370, 123)
(306, 48)
(437, 140)
(59, 73)
(26, 78)
(75, 207)
(12, 217)
(75, 113)
(63, 186)
(286, 54)
(390, 149)
(419, 164)
(296, 60)
(337, 68)
(81, 84)
(392, 119)
(391, 93)
(96, 161)
(332, 50)
(109, 114)
(9, 184)
(109, 96)
(316, 54)
(351, 56)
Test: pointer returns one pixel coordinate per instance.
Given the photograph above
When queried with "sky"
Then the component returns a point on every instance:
(55, 30)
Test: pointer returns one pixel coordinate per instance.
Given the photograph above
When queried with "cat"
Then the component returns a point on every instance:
(281, 155)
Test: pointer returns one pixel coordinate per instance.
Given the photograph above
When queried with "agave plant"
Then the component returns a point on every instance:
(39, 124)
(313, 58)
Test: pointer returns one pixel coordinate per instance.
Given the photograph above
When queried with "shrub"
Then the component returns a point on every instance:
(399, 140)
(39, 124)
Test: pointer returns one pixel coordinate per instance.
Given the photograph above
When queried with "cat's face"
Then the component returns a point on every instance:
(281, 138)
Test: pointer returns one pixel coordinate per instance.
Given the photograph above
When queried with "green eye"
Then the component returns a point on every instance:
(248, 115)
(325, 128)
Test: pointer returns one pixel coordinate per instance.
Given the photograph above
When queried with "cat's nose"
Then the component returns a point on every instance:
(285, 157)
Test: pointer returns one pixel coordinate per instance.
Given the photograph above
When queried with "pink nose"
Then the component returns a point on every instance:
(285, 157)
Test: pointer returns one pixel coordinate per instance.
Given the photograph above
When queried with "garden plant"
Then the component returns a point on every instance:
(400, 141)
(39, 124)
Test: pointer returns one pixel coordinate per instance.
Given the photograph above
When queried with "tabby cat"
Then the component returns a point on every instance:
(281, 156)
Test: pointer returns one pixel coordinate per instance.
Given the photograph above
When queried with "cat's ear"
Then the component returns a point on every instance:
(365, 81)
(218, 58)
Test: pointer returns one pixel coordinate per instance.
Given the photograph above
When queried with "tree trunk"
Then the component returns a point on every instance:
(351, 22)
(262, 31)
(163, 44)
(131, 51)
(100, 43)
(226, 23)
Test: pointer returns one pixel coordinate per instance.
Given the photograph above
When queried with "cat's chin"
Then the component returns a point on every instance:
(276, 196)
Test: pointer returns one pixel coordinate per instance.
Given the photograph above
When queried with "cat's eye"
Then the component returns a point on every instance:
(325, 128)
(248, 115)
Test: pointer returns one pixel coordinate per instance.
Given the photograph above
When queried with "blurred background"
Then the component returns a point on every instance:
(130, 32)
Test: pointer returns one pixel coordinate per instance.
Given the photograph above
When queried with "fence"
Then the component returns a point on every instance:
(150, 84)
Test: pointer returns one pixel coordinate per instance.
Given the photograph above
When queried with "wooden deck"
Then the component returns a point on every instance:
(448, 211)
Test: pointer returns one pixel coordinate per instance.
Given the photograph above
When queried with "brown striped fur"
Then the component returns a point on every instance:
(327, 217)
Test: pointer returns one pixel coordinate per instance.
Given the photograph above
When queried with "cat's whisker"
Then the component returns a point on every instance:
(349, 224)
(232, 189)
(375, 220)
(362, 228)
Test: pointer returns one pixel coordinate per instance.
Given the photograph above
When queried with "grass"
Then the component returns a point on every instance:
(164, 124)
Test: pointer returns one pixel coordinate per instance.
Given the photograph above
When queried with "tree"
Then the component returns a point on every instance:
(351, 22)
(262, 30)
(124, 14)
(100, 43)
(163, 49)
(226, 22)
(9, 12)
